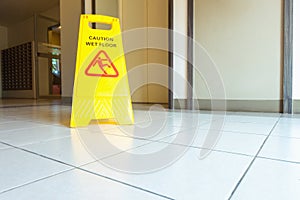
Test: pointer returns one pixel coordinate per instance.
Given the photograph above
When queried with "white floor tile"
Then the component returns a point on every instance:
(224, 141)
(282, 148)
(244, 127)
(101, 145)
(141, 118)
(18, 125)
(183, 114)
(34, 134)
(188, 178)
(19, 167)
(252, 119)
(3, 146)
(270, 180)
(147, 128)
(84, 147)
(149, 131)
(287, 127)
(79, 185)
(4, 120)
(68, 150)
(56, 117)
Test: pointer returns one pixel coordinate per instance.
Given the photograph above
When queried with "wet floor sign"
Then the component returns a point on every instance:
(101, 89)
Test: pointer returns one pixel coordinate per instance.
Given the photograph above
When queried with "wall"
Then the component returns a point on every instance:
(69, 34)
(3, 45)
(244, 39)
(43, 73)
(3, 37)
(135, 18)
(26, 28)
(53, 13)
(296, 61)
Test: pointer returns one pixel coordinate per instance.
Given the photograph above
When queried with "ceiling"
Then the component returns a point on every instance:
(13, 11)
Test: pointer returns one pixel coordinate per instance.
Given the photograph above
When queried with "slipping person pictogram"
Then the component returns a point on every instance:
(102, 65)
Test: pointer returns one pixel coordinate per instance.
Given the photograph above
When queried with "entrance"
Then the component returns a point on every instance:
(49, 64)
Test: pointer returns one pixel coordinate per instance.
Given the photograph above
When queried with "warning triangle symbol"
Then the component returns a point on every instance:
(102, 66)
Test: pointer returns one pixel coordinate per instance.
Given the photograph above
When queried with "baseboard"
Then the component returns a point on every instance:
(22, 94)
(296, 106)
(233, 105)
(274, 106)
(66, 101)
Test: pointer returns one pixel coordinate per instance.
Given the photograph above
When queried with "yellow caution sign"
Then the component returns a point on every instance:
(101, 89)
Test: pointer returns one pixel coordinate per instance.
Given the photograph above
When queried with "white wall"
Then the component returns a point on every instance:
(70, 11)
(3, 45)
(243, 37)
(180, 49)
(296, 61)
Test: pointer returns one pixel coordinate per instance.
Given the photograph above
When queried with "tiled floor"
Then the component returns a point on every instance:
(165, 155)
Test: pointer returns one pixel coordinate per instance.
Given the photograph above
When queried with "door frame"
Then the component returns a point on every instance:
(288, 58)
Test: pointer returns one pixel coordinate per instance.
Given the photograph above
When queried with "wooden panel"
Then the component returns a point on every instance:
(134, 16)
(158, 72)
(141, 14)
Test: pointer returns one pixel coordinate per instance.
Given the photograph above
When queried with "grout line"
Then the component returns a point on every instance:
(35, 181)
(253, 160)
(28, 106)
(22, 129)
(126, 184)
(286, 137)
(38, 142)
(203, 148)
(78, 168)
(239, 132)
(279, 160)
